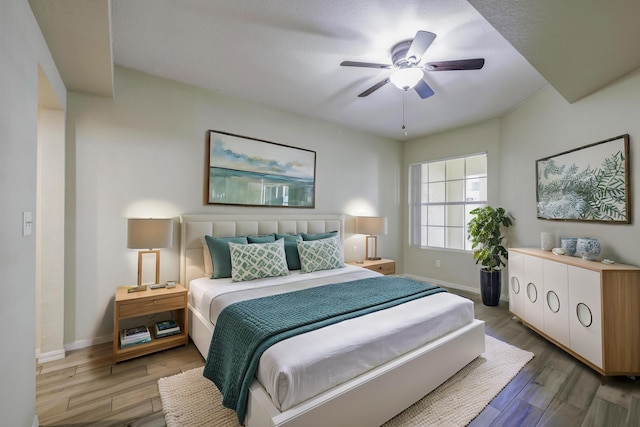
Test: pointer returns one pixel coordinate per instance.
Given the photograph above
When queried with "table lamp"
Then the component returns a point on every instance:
(150, 234)
(372, 226)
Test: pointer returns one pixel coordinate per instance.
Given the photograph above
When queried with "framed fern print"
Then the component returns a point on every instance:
(590, 183)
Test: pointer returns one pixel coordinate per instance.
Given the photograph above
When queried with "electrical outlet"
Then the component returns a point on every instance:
(437, 263)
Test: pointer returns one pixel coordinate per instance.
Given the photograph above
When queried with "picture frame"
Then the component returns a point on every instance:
(248, 171)
(590, 183)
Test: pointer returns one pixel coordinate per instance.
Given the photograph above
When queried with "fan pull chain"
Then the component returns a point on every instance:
(404, 108)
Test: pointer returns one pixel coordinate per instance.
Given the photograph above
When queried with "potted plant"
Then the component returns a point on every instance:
(485, 233)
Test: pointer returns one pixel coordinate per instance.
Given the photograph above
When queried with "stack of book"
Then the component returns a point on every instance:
(134, 336)
(166, 328)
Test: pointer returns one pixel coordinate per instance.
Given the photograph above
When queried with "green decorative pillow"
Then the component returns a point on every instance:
(257, 260)
(309, 237)
(323, 254)
(220, 255)
(291, 249)
(266, 238)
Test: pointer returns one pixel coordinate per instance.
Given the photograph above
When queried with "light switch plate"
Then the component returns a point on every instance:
(27, 222)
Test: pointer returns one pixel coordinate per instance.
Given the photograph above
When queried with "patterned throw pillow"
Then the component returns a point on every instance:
(324, 254)
(257, 260)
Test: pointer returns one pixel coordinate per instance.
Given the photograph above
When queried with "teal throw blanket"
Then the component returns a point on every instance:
(246, 329)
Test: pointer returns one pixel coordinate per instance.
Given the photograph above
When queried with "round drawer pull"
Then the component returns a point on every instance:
(532, 292)
(553, 302)
(584, 314)
(515, 285)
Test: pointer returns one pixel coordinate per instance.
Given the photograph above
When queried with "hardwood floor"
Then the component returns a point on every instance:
(86, 389)
(554, 389)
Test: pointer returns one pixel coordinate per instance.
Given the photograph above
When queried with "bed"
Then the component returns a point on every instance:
(396, 366)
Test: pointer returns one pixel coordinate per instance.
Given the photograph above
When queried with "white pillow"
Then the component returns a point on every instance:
(323, 254)
(208, 264)
(257, 260)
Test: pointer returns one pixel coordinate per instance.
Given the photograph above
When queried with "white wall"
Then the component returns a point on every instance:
(457, 268)
(22, 49)
(546, 125)
(542, 126)
(50, 239)
(142, 154)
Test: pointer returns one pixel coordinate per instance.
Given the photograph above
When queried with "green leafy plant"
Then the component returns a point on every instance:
(485, 234)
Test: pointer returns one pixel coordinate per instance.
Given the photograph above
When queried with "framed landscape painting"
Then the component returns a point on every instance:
(253, 172)
(590, 183)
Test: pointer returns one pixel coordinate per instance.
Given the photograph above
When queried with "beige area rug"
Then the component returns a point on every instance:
(189, 399)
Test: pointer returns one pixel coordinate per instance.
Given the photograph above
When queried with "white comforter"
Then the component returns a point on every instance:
(303, 366)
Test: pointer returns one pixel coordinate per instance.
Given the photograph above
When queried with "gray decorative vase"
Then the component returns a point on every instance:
(569, 244)
(588, 248)
(547, 241)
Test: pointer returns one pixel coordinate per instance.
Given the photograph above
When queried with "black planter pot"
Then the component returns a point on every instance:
(490, 287)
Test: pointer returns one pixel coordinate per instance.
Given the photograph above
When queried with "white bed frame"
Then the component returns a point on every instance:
(367, 400)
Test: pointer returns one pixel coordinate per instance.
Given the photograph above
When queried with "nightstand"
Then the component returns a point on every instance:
(384, 266)
(145, 303)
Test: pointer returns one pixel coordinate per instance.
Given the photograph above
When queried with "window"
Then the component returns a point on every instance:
(441, 195)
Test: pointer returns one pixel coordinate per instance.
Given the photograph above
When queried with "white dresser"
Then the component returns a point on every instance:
(589, 309)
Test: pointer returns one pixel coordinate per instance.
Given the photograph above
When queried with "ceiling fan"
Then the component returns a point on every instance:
(408, 73)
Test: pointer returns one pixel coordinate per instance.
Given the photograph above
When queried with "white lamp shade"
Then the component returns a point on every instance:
(371, 225)
(406, 78)
(149, 233)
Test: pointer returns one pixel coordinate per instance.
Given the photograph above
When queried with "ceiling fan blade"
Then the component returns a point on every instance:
(460, 64)
(423, 89)
(365, 65)
(374, 88)
(419, 46)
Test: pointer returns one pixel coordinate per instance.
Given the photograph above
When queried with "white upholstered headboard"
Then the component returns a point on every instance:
(194, 227)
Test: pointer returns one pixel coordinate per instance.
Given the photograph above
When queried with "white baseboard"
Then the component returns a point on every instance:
(50, 356)
(77, 345)
(444, 284)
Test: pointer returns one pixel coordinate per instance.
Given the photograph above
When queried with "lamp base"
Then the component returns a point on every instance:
(137, 288)
(156, 252)
(375, 256)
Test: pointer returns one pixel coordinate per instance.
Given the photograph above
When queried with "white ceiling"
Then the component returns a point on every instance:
(79, 38)
(286, 53)
(578, 46)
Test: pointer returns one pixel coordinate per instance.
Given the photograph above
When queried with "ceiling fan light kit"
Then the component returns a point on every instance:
(406, 58)
(406, 78)
(408, 72)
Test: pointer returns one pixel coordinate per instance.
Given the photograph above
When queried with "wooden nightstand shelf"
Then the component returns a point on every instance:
(384, 266)
(152, 301)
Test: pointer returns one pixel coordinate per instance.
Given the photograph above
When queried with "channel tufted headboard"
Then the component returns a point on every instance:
(194, 227)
